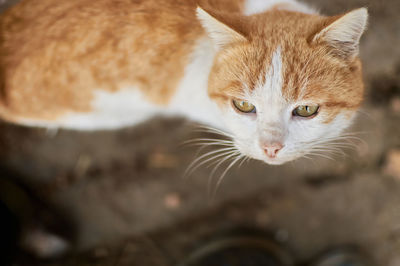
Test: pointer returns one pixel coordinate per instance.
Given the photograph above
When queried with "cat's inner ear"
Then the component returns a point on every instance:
(343, 34)
(221, 34)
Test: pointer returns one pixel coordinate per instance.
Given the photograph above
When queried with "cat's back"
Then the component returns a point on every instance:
(54, 54)
(71, 57)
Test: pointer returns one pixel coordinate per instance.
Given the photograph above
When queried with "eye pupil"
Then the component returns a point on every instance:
(305, 110)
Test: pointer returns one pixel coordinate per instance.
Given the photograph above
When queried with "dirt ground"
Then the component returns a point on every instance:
(124, 194)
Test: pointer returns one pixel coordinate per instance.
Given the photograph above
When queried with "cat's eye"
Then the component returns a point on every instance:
(244, 107)
(305, 110)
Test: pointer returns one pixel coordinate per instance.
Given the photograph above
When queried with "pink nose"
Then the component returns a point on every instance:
(272, 149)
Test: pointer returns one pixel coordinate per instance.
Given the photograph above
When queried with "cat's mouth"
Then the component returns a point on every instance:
(279, 160)
(259, 155)
(274, 161)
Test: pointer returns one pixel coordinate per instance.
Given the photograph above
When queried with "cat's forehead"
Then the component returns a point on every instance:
(300, 72)
(281, 67)
(290, 66)
(269, 80)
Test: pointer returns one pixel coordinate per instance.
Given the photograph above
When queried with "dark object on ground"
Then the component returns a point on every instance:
(239, 251)
(29, 224)
(342, 257)
(9, 231)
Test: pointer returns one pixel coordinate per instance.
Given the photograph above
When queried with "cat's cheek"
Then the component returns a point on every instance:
(244, 131)
(339, 123)
(241, 125)
(304, 134)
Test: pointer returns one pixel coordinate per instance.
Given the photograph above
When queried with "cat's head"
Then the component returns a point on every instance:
(286, 82)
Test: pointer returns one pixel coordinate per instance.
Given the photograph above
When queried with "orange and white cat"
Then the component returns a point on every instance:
(275, 75)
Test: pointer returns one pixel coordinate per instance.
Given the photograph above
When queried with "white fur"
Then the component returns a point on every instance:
(192, 98)
(113, 110)
(110, 110)
(271, 101)
(253, 131)
(128, 106)
(259, 6)
(273, 80)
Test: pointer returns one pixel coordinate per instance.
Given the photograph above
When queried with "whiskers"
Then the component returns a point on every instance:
(224, 152)
(330, 147)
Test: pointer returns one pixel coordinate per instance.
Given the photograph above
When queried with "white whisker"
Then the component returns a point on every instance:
(224, 173)
(198, 161)
(202, 128)
(221, 161)
(244, 160)
(207, 139)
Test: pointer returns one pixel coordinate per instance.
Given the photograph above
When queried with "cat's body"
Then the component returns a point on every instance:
(98, 64)
(110, 63)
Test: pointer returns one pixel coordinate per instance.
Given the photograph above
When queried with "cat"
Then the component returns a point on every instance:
(275, 75)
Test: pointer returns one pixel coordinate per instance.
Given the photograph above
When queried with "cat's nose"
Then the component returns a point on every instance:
(272, 149)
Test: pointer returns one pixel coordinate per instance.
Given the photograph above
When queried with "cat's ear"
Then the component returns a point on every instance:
(221, 34)
(344, 33)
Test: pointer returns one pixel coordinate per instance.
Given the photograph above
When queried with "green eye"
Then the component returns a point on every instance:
(305, 110)
(244, 107)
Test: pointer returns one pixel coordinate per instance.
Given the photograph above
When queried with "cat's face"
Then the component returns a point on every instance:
(285, 94)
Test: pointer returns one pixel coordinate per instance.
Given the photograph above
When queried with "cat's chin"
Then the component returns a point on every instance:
(275, 161)
(272, 161)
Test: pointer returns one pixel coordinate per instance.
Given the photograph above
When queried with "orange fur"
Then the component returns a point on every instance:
(54, 55)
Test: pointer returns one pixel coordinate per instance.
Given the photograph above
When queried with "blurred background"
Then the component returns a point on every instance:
(119, 197)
